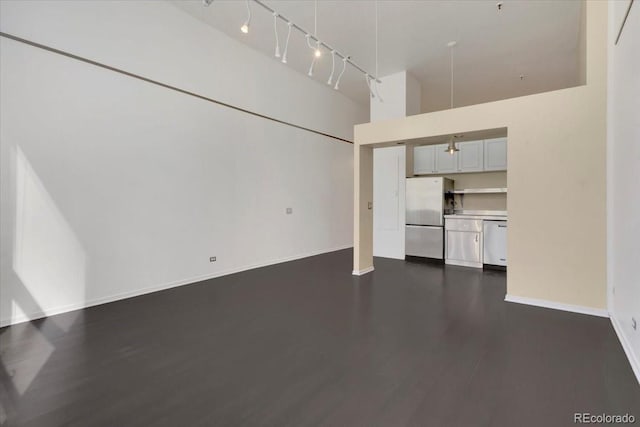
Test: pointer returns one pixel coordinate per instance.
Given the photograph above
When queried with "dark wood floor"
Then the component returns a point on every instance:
(305, 343)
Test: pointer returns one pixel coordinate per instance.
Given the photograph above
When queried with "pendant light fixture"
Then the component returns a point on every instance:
(245, 26)
(451, 148)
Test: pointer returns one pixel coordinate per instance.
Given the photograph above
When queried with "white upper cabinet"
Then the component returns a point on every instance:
(471, 156)
(424, 160)
(495, 154)
(445, 162)
(474, 156)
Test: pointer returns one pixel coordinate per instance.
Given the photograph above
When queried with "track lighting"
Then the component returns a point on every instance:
(245, 26)
(313, 63)
(375, 87)
(344, 67)
(333, 67)
(286, 44)
(313, 43)
(368, 80)
(275, 30)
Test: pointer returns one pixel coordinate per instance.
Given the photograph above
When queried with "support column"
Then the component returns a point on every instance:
(402, 96)
(362, 209)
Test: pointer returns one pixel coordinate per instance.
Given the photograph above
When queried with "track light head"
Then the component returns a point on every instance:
(245, 26)
(333, 67)
(367, 78)
(344, 67)
(286, 45)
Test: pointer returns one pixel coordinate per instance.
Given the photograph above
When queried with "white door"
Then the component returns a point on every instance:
(389, 170)
(445, 162)
(470, 156)
(495, 154)
(423, 160)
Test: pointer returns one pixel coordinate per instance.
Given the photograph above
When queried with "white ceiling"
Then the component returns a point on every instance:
(538, 39)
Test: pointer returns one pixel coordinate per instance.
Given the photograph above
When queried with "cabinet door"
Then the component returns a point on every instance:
(445, 162)
(470, 156)
(463, 246)
(424, 159)
(495, 154)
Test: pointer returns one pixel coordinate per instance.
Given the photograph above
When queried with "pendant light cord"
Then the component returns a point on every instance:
(375, 82)
(451, 66)
(376, 4)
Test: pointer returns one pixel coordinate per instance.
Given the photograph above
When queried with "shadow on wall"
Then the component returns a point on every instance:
(46, 271)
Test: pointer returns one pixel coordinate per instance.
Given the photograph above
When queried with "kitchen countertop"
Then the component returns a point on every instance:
(477, 216)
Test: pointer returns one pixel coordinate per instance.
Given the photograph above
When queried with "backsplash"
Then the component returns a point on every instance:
(497, 202)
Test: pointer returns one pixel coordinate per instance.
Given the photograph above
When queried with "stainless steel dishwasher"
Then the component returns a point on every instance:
(495, 242)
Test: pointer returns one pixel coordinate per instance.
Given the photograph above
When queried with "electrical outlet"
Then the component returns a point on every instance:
(212, 259)
(289, 211)
(634, 325)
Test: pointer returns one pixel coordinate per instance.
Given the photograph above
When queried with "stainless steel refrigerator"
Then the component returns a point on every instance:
(428, 199)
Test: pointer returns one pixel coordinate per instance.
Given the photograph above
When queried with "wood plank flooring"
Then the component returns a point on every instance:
(305, 343)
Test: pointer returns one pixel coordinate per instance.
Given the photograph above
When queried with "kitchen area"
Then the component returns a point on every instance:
(456, 203)
(454, 209)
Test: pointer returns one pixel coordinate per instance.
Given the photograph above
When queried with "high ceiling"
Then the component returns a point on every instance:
(536, 39)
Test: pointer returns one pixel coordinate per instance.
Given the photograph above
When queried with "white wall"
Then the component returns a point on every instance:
(389, 202)
(623, 177)
(401, 94)
(112, 187)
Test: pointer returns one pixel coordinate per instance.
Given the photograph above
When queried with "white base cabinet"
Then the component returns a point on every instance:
(475, 242)
(463, 242)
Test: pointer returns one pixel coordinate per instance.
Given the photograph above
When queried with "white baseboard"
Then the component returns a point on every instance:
(7, 321)
(362, 272)
(634, 359)
(600, 312)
